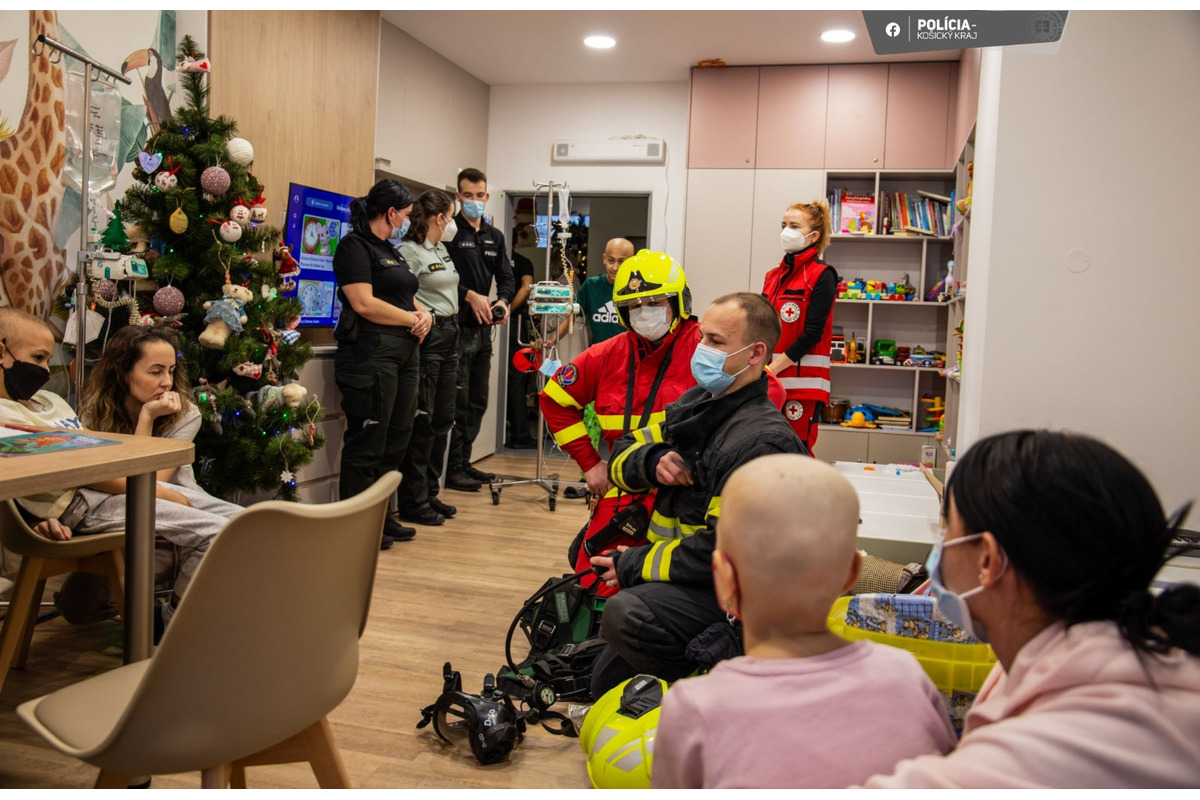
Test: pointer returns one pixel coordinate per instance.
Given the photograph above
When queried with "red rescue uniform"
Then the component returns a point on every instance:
(619, 375)
(789, 288)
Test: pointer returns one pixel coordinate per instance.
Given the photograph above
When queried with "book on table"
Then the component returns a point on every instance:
(18, 443)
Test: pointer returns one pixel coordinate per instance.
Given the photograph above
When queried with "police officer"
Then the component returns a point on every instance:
(480, 255)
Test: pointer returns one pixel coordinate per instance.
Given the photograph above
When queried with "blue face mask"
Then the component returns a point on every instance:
(954, 606)
(398, 233)
(472, 209)
(708, 368)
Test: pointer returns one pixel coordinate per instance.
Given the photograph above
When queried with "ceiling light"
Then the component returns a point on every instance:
(600, 42)
(837, 36)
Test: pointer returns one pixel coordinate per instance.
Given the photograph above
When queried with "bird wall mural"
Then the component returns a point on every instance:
(39, 212)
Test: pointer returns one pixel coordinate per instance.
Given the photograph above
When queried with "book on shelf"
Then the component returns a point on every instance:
(16, 443)
(925, 213)
(935, 197)
(856, 213)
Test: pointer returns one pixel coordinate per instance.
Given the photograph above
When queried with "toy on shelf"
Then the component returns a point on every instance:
(837, 346)
(884, 352)
(934, 414)
(855, 354)
(859, 417)
(964, 204)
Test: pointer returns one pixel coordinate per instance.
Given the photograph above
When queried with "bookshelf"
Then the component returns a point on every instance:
(957, 307)
(919, 260)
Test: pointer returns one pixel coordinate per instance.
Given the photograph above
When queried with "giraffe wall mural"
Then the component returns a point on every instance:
(39, 212)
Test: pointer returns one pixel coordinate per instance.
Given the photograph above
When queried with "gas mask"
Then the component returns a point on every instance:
(488, 721)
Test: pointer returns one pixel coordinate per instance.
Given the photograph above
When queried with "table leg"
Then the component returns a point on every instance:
(139, 566)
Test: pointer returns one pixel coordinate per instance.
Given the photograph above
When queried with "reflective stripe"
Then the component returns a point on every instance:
(805, 383)
(714, 507)
(571, 433)
(615, 422)
(559, 395)
(814, 361)
(663, 528)
(616, 470)
(657, 566)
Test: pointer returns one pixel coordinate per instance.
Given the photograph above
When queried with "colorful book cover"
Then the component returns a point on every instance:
(857, 213)
(49, 442)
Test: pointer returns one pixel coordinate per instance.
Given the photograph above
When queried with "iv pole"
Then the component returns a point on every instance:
(85, 256)
(550, 483)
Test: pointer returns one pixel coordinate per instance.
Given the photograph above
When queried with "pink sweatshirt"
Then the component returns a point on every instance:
(825, 721)
(1076, 711)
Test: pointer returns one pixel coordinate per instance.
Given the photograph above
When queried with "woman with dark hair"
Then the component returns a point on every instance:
(379, 335)
(1051, 543)
(139, 387)
(432, 224)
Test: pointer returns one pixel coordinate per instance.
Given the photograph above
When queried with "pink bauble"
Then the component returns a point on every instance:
(231, 231)
(165, 181)
(215, 181)
(105, 289)
(259, 212)
(168, 301)
(240, 214)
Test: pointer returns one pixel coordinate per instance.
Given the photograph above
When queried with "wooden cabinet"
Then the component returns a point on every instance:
(723, 125)
(918, 115)
(857, 118)
(716, 240)
(791, 117)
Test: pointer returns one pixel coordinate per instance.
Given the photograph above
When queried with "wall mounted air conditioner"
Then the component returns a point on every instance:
(610, 151)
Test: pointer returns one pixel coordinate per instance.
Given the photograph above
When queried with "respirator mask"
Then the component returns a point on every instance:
(488, 721)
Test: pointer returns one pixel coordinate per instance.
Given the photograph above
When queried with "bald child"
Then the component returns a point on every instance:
(803, 707)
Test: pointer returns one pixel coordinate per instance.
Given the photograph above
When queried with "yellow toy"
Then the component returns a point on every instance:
(858, 420)
(964, 204)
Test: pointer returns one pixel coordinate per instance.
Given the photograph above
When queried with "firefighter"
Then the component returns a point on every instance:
(631, 378)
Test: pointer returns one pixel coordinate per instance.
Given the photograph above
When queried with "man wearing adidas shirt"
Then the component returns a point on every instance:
(596, 296)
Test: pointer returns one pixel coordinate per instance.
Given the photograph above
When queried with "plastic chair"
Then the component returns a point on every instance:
(41, 558)
(262, 648)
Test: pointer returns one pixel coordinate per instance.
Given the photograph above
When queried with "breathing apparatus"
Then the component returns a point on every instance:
(488, 721)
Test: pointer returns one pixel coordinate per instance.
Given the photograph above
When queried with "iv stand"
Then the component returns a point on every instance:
(85, 256)
(550, 483)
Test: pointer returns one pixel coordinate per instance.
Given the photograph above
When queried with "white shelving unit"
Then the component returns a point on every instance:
(889, 258)
(957, 307)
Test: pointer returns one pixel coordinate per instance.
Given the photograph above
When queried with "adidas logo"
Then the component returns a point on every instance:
(607, 314)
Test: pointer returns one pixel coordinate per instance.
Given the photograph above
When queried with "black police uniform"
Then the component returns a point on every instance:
(480, 257)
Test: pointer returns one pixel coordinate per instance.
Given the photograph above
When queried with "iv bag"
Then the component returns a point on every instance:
(105, 119)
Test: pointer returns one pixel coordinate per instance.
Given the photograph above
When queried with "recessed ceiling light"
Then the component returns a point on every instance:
(600, 42)
(837, 36)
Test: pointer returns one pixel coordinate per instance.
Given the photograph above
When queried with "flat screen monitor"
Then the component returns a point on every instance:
(316, 222)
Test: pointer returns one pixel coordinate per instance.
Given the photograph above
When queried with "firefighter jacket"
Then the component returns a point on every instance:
(618, 375)
(789, 288)
(715, 436)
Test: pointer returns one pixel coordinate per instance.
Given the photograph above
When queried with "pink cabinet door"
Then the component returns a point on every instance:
(854, 127)
(724, 118)
(791, 117)
(918, 110)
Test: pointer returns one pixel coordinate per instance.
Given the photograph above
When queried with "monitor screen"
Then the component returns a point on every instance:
(316, 221)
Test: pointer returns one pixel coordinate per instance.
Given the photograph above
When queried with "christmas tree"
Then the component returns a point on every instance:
(203, 210)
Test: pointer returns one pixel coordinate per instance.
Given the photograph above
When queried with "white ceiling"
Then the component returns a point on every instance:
(530, 47)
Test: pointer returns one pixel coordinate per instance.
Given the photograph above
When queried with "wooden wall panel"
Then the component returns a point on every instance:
(302, 87)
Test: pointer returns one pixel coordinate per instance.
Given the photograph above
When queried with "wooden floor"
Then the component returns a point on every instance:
(448, 595)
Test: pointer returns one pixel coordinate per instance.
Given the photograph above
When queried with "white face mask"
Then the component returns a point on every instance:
(450, 231)
(650, 322)
(793, 241)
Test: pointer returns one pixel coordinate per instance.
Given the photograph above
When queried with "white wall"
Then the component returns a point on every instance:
(525, 120)
(1091, 268)
(432, 117)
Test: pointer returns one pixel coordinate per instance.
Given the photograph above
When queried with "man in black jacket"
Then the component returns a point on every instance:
(480, 256)
(667, 595)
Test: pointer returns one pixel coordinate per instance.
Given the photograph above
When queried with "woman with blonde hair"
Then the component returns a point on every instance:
(802, 290)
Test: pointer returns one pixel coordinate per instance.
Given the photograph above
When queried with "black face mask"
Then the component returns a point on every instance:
(24, 378)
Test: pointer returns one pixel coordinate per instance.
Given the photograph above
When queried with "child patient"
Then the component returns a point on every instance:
(803, 707)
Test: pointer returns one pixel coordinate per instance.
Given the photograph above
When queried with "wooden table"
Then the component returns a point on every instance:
(137, 459)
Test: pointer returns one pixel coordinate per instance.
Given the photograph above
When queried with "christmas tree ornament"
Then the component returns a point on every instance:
(248, 369)
(105, 289)
(139, 241)
(259, 210)
(114, 236)
(240, 151)
(168, 301)
(288, 266)
(231, 231)
(178, 221)
(240, 213)
(149, 161)
(290, 337)
(215, 181)
(187, 64)
(225, 316)
(166, 181)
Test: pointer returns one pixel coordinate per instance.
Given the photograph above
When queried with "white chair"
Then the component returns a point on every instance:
(262, 648)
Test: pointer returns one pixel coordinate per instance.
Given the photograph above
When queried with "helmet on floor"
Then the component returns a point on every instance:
(618, 734)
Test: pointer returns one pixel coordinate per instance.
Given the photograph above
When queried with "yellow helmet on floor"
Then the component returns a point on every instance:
(650, 274)
(618, 733)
